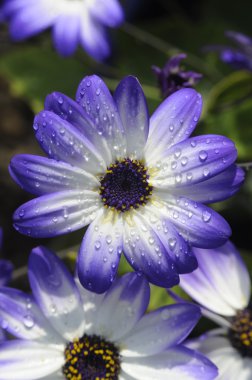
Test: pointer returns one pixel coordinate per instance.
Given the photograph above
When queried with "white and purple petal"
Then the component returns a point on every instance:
(93, 37)
(62, 141)
(221, 283)
(108, 12)
(146, 253)
(56, 293)
(65, 38)
(160, 329)
(215, 189)
(193, 161)
(95, 98)
(22, 317)
(41, 175)
(133, 110)
(57, 213)
(177, 362)
(100, 252)
(196, 223)
(123, 306)
(172, 122)
(28, 360)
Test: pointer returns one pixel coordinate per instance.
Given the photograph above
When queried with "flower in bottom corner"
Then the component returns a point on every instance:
(66, 332)
(140, 183)
(221, 284)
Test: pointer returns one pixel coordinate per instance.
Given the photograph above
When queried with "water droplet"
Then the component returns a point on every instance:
(178, 178)
(97, 244)
(174, 165)
(21, 213)
(171, 128)
(151, 240)
(172, 242)
(29, 321)
(60, 100)
(88, 84)
(206, 216)
(105, 259)
(193, 143)
(184, 161)
(206, 172)
(108, 239)
(177, 153)
(98, 91)
(203, 155)
(55, 219)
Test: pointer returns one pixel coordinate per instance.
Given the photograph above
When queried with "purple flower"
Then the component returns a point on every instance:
(139, 183)
(66, 332)
(239, 56)
(172, 77)
(73, 22)
(221, 284)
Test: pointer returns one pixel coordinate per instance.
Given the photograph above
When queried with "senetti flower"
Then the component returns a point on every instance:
(139, 183)
(66, 332)
(239, 56)
(72, 21)
(221, 284)
(172, 77)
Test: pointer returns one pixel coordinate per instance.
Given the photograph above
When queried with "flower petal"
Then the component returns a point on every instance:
(25, 22)
(215, 189)
(146, 253)
(41, 175)
(28, 360)
(70, 111)
(95, 98)
(108, 12)
(172, 122)
(219, 349)
(62, 141)
(6, 269)
(193, 161)
(66, 39)
(133, 111)
(56, 213)
(160, 329)
(198, 224)
(221, 283)
(178, 362)
(176, 247)
(100, 252)
(93, 37)
(21, 317)
(91, 304)
(56, 293)
(123, 305)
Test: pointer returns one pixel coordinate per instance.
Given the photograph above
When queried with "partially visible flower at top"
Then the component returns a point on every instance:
(239, 56)
(66, 332)
(139, 183)
(5, 275)
(73, 22)
(221, 284)
(172, 77)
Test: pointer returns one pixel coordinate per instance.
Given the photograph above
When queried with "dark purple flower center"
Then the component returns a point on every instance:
(91, 358)
(240, 334)
(125, 185)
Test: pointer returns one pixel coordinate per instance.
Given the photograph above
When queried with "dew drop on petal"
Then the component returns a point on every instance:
(97, 244)
(206, 216)
(203, 155)
(29, 321)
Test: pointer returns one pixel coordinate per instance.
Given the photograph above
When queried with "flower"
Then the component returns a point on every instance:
(66, 332)
(138, 183)
(239, 57)
(221, 284)
(172, 78)
(73, 22)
